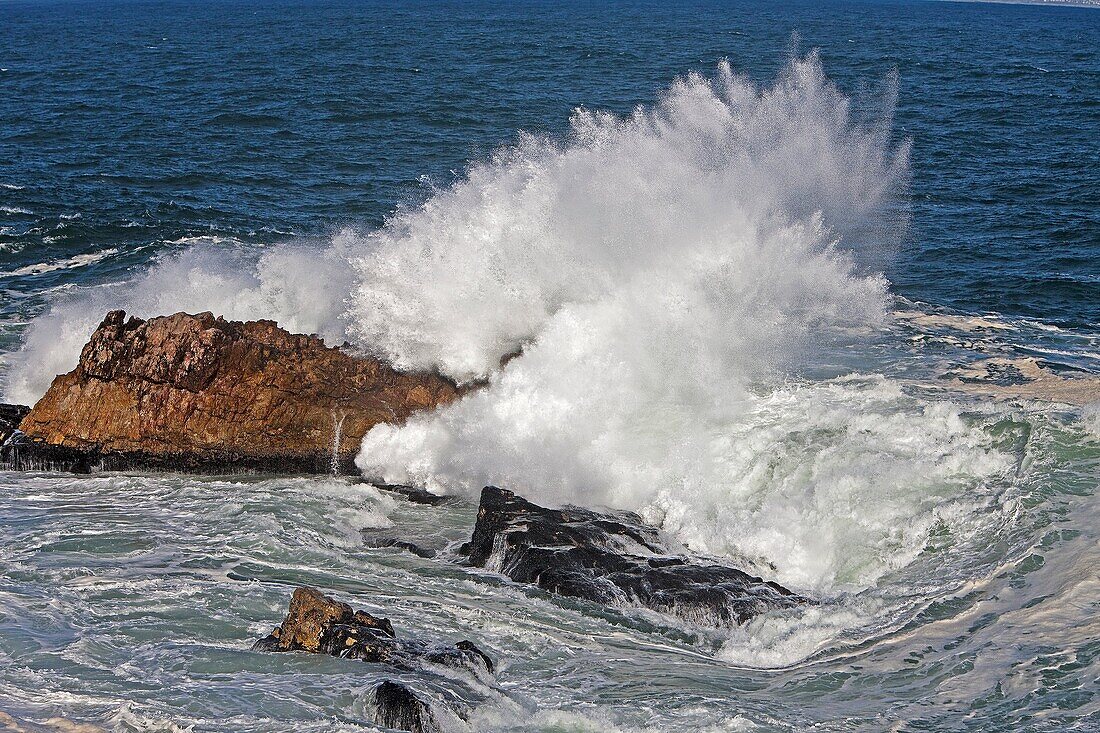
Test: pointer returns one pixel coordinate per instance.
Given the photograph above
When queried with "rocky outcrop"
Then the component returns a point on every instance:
(316, 623)
(199, 393)
(614, 559)
(399, 544)
(10, 417)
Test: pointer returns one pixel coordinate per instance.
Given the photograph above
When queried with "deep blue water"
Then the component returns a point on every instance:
(933, 484)
(159, 121)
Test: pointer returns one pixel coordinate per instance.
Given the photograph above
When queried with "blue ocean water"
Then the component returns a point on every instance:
(934, 483)
(153, 122)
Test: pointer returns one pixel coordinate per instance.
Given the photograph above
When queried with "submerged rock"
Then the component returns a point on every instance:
(614, 559)
(199, 393)
(413, 494)
(318, 624)
(399, 708)
(399, 544)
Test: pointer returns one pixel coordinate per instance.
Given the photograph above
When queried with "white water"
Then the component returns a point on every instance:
(667, 277)
(215, 275)
(696, 295)
(741, 191)
(64, 264)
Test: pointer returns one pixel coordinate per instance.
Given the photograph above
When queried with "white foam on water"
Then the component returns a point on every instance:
(509, 717)
(128, 719)
(725, 197)
(954, 322)
(663, 275)
(774, 640)
(707, 182)
(226, 278)
(1090, 420)
(69, 263)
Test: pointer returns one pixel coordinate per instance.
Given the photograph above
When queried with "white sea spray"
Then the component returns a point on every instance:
(664, 275)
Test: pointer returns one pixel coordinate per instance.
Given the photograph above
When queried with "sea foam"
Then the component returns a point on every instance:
(662, 277)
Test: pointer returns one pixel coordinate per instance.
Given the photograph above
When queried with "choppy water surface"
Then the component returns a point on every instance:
(132, 601)
(831, 315)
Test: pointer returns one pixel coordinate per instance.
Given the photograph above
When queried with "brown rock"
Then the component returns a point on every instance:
(195, 392)
(312, 619)
(318, 624)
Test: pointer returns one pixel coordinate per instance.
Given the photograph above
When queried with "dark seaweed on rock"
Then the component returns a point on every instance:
(614, 559)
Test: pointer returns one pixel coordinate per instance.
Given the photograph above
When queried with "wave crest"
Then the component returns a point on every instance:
(745, 190)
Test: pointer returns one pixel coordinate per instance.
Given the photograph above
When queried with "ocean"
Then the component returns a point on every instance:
(812, 286)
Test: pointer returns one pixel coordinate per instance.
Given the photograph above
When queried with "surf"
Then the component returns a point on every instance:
(657, 306)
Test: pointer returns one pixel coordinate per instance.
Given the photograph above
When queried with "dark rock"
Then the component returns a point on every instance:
(425, 552)
(199, 393)
(468, 647)
(414, 494)
(10, 417)
(614, 559)
(316, 623)
(399, 708)
(21, 452)
(34, 453)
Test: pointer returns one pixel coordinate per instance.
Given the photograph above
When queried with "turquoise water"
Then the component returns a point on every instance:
(832, 315)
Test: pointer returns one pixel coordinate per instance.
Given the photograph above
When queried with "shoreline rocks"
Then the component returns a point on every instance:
(197, 393)
(413, 494)
(614, 559)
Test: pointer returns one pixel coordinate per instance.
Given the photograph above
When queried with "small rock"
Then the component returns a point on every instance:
(414, 494)
(321, 625)
(425, 552)
(398, 707)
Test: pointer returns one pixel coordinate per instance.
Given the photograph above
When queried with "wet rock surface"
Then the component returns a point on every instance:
(10, 417)
(614, 559)
(399, 544)
(321, 625)
(199, 393)
(398, 707)
(413, 494)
